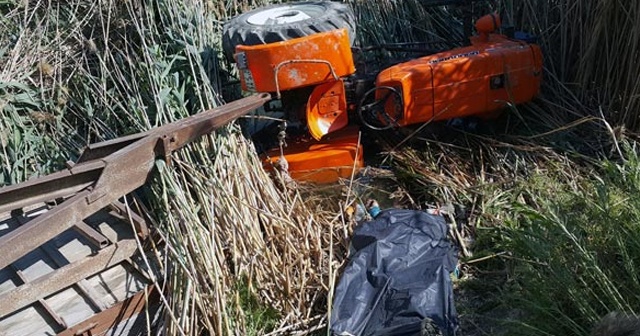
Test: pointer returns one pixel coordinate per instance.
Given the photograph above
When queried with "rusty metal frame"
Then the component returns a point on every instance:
(121, 210)
(58, 320)
(83, 286)
(104, 173)
(92, 235)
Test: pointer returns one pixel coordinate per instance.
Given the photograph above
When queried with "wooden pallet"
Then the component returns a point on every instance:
(73, 279)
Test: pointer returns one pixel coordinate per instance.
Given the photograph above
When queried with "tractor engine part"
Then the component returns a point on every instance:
(327, 109)
(480, 80)
(303, 49)
(488, 24)
(283, 22)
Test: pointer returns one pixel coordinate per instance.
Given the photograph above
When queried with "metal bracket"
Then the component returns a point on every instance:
(167, 147)
(241, 61)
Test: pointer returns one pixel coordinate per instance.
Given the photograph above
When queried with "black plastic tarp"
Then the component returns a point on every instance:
(398, 274)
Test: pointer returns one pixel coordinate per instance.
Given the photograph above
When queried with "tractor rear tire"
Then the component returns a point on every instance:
(284, 22)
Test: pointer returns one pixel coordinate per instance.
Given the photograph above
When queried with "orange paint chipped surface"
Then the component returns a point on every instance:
(296, 62)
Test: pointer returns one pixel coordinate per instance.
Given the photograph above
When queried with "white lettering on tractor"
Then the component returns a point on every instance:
(438, 60)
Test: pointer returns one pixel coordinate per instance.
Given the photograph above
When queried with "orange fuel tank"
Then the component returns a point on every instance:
(476, 80)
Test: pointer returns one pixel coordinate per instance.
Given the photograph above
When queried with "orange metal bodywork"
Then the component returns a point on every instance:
(488, 24)
(476, 80)
(324, 161)
(299, 62)
(480, 80)
(327, 109)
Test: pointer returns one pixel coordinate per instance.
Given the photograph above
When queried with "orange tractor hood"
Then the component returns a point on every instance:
(480, 79)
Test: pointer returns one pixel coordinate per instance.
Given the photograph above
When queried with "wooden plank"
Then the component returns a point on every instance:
(8, 280)
(58, 320)
(122, 313)
(110, 226)
(72, 246)
(83, 285)
(30, 321)
(72, 307)
(34, 265)
(65, 276)
(116, 284)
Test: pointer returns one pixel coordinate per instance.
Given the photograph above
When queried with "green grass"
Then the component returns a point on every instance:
(573, 249)
(258, 317)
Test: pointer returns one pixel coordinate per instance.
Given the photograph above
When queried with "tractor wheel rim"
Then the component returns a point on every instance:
(284, 14)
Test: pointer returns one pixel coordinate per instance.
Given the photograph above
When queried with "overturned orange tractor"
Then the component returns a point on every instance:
(301, 52)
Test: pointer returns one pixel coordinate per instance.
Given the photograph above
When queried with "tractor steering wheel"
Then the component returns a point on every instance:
(374, 115)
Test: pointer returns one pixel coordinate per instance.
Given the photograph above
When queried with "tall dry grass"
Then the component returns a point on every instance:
(549, 186)
(591, 53)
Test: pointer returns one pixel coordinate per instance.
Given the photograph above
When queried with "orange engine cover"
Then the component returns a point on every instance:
(475, 80)
(299, 62)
